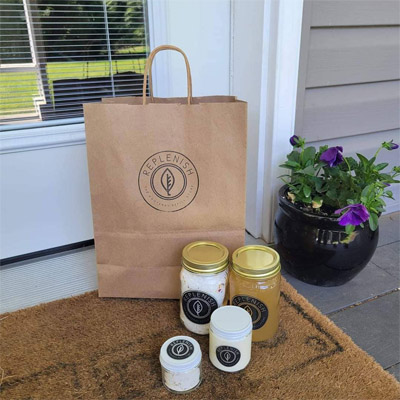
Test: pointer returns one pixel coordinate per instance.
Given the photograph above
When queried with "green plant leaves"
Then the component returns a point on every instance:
(349, 229)
(290, 164)
(352, 162)
(363, 160)
(331, 193)
(310, 170)
(355, 181)
(309, 155)
(366, 193)
(388, 178)
(294, 156)
(373, 221)
(389, 194)
(381, 166)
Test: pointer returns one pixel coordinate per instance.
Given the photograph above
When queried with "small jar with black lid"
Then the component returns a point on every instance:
(203, 283)
(230, 338)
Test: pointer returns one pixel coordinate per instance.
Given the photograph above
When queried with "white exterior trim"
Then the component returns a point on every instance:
(278, 118)
(272, 63)
(231, 46)
(157, 14)
(42, 138)
(245, 83)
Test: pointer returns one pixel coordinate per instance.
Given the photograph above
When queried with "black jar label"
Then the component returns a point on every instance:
(256, 308)
(198, 306)
(180, 349)
(228, 356)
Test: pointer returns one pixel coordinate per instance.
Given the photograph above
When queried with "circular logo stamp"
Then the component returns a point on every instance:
(198, 306)
(168, 181)
(180, 349)
(227, 355)
(256, 308)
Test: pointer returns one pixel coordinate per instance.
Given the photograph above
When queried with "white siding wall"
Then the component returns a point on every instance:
(349, 78)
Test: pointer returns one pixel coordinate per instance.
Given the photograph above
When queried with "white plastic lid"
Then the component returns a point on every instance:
(231, 322)
(180, 353)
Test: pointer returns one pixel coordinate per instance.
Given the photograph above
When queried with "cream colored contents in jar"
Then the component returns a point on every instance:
(201, 294)
(230, 338)
(180, 359)
(181, 381)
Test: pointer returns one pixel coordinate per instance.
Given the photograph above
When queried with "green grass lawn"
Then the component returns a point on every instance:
(17, 89)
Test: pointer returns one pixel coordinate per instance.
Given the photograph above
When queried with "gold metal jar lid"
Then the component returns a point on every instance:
(256, 262)
(205, 257)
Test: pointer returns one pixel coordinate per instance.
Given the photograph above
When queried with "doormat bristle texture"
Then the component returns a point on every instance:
(91, 348)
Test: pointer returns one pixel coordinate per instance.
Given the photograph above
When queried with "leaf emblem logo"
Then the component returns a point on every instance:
(197, 307)
(249, 310)
(227, 356)
(167, 180)
(180, 349)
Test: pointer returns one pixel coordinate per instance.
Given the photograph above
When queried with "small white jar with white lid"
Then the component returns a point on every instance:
(230, 338)
(180, 358)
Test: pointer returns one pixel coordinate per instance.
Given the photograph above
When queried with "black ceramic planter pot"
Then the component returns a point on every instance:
(310, 246)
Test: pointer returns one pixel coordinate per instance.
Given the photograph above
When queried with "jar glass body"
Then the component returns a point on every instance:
(201, 294)
(260, 297)
(181, 381)
(229, 355)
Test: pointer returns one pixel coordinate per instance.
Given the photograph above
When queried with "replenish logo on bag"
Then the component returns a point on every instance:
(168, 181)
(198, 306)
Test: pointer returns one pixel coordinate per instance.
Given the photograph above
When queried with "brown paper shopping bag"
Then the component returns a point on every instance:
(163, 173)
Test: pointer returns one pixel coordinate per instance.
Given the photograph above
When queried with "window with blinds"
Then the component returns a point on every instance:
(57, 54)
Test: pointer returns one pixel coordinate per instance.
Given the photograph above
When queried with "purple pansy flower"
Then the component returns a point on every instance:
(294, 140)
(390, 145)
(333, 156)
(355, 215)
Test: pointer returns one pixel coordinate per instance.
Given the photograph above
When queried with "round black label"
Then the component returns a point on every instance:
(256, 308)
(198, 306)
(180, 349)
(227, 355)
(168, 181)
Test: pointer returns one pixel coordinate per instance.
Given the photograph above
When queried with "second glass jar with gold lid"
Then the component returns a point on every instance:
(255, 286)
(203, 283)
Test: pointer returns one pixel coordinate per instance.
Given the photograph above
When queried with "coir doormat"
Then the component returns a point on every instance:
(91, 348)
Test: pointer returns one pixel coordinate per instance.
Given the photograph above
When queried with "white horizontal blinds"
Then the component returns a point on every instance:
(14, 35)
(57, 54)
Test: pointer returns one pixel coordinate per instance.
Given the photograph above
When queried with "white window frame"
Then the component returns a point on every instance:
(29, 67)
(25, 67)
(70, 132)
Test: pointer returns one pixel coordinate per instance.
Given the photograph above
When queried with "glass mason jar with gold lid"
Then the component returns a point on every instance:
(255, 286)
(203, 283)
